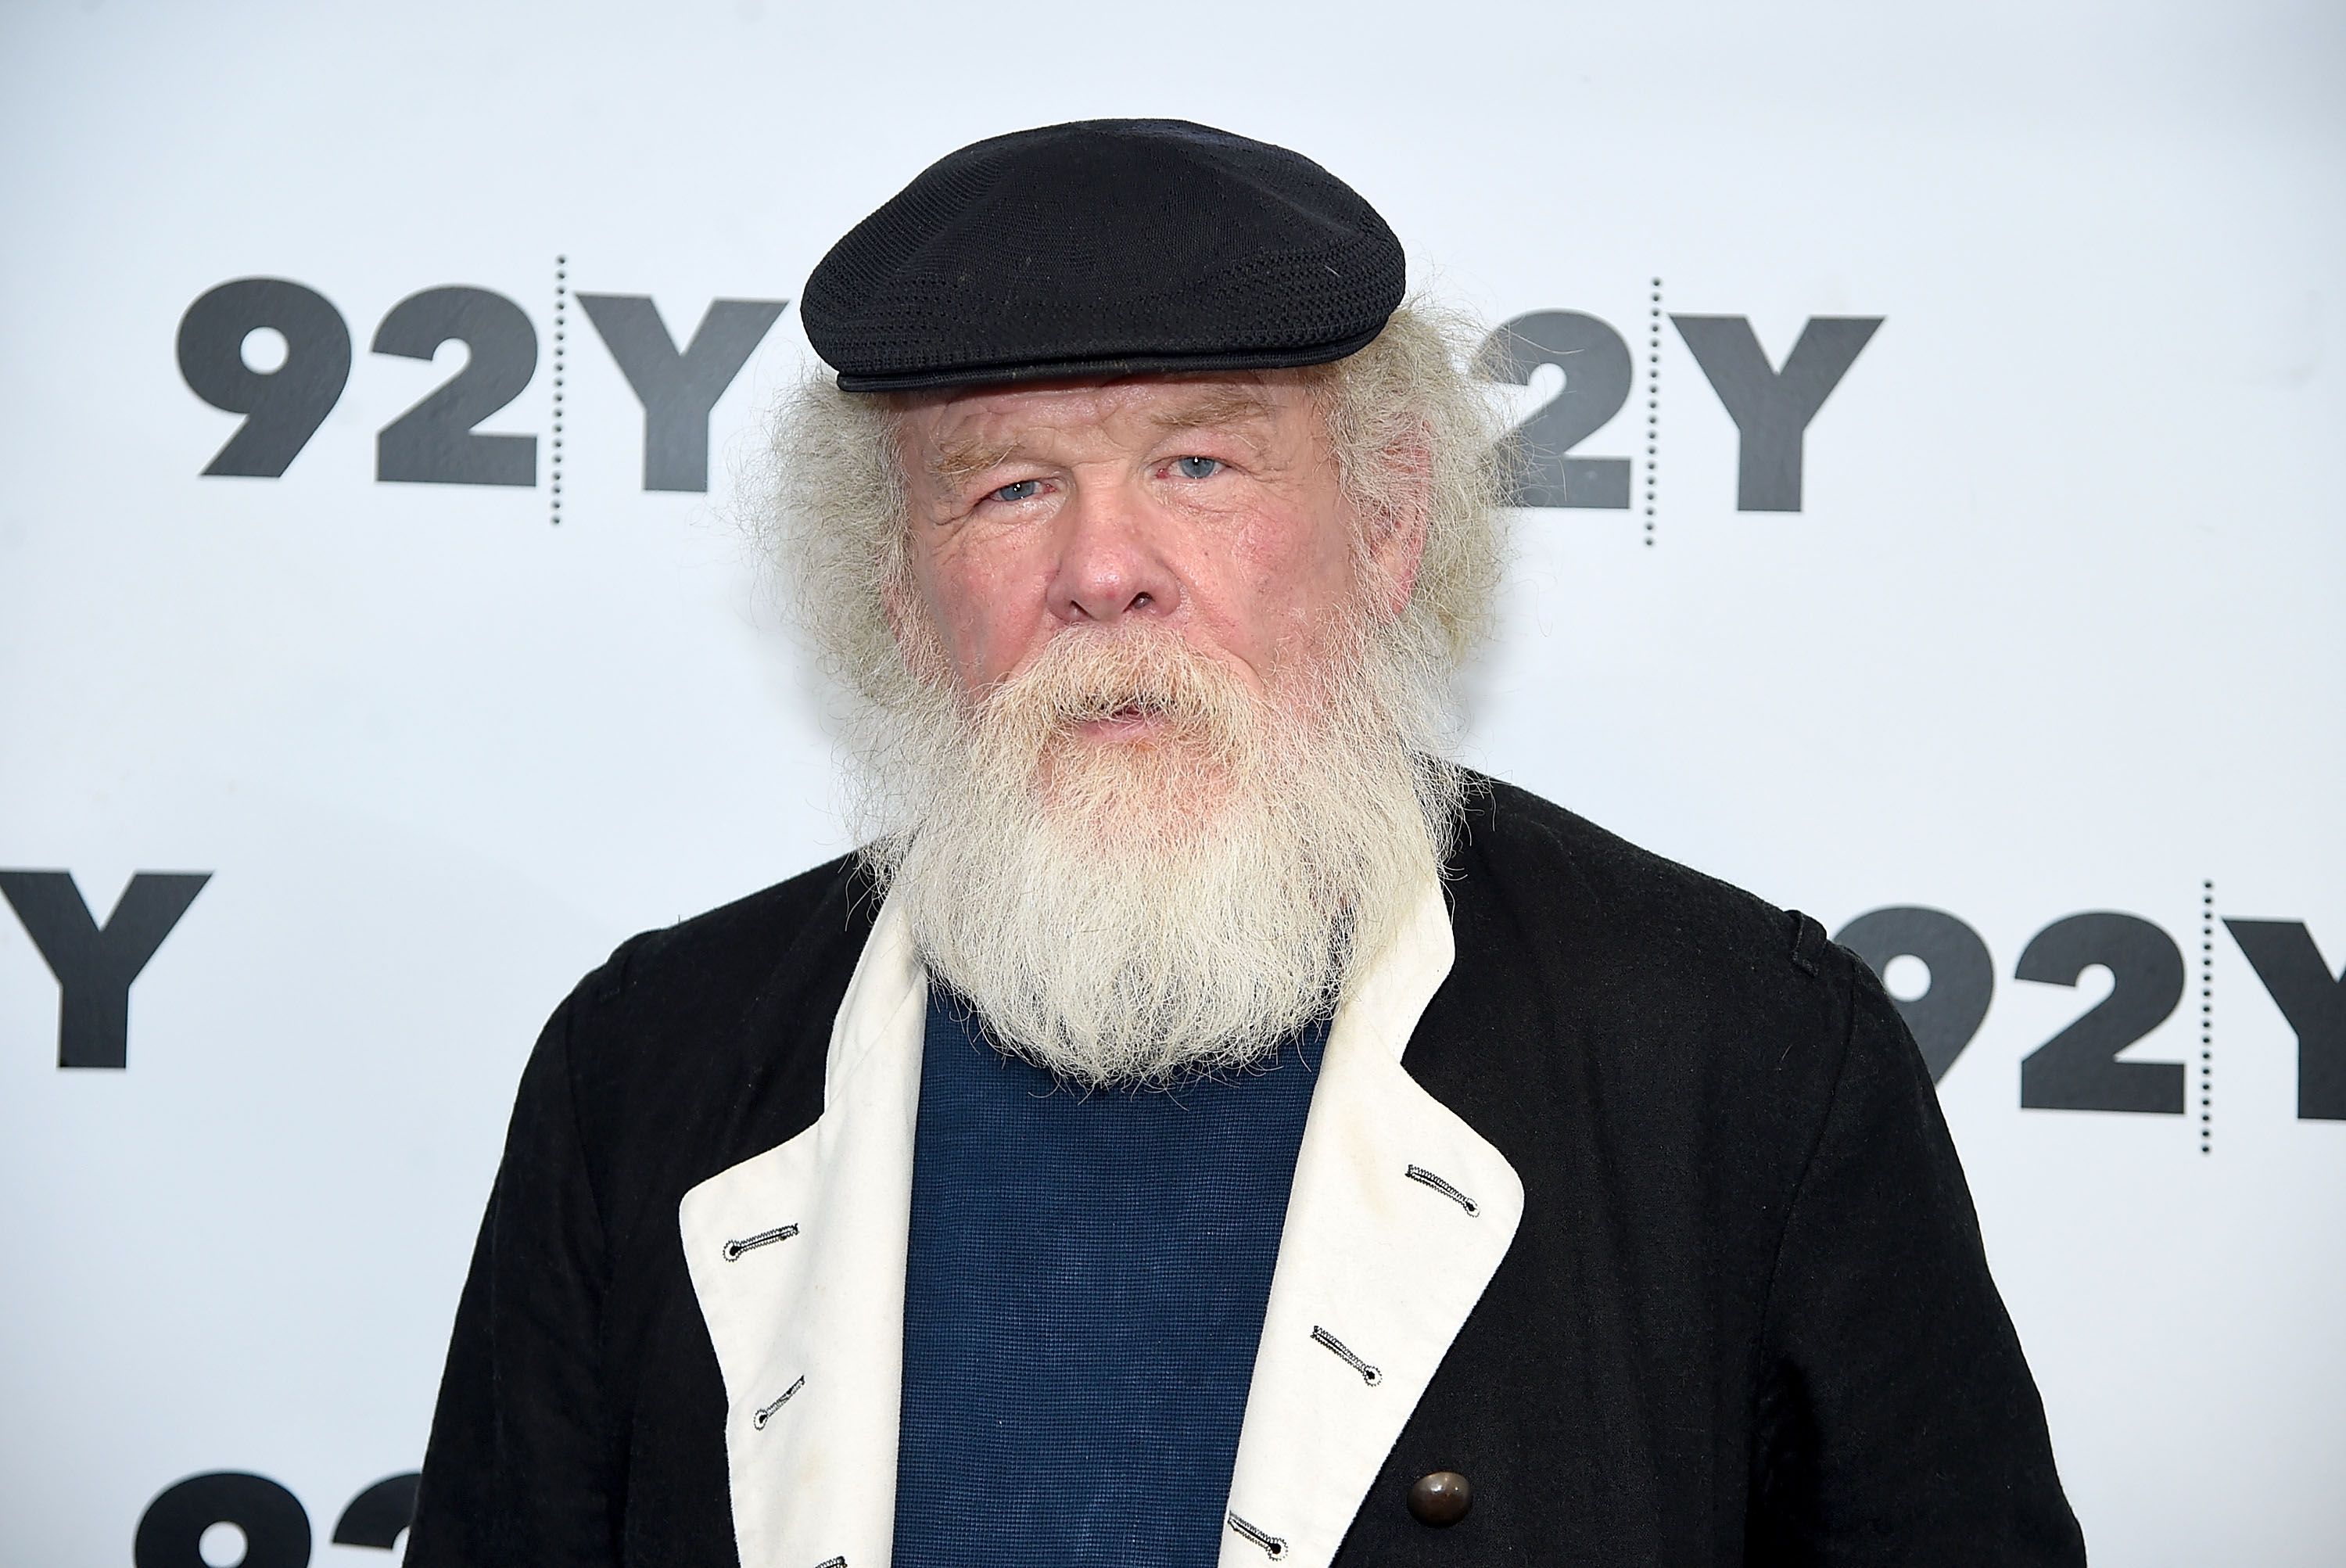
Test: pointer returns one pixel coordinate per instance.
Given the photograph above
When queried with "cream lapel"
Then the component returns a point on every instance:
(1400, 1215)
(796, 1256)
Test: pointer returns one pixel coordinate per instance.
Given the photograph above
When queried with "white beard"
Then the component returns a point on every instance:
(1132, 911)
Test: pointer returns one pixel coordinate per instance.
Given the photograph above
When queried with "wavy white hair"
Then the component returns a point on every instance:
(1199, 949)
(1409, 427)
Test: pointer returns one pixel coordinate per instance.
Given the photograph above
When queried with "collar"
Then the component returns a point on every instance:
(1399, 1215)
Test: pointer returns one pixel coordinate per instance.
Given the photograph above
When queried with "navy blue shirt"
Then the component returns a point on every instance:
(1083, 1299)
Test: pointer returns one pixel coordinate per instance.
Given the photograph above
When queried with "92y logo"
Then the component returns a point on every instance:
(2079, 1069)
(1772, 406)
(274, 1524)
(438, 441)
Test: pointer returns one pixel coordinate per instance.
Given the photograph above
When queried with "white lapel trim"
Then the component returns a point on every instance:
(807, 1323)
(1382, 1262)
(808, 1326)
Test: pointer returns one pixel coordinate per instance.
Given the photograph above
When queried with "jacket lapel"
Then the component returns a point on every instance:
(1399, 1215)
(796, 1256)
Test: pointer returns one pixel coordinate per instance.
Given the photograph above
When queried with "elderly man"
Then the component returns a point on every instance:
(1206, 1125)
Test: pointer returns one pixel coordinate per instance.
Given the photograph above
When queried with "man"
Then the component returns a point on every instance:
(1206, 1125)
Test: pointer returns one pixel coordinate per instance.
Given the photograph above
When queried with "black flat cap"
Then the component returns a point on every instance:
(1104, 248)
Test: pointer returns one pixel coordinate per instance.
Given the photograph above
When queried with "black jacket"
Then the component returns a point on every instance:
(1746, 1318)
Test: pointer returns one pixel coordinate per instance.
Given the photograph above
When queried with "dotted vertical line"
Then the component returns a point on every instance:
(1652, 399)
(561, 324)
(2207, 1012)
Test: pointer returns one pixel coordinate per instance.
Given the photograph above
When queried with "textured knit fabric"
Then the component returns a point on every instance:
(1084, 1293)
(1104, 248)
(1746, 1319)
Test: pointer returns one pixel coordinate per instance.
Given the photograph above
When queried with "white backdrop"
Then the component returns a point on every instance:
(2055, 630)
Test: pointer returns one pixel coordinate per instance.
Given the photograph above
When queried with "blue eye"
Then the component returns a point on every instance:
(1197, 467)
(1024, 490)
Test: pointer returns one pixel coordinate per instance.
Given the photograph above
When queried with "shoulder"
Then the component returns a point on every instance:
(1528, 863)
(790, 930)
(1602, 970)
(1628, 1031)
(719, 1026)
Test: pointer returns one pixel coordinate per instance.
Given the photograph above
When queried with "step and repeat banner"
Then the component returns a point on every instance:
(1938, 530)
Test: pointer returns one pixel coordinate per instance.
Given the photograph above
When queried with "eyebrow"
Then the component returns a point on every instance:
(1234, 405)
(959, 459)
(956, 459)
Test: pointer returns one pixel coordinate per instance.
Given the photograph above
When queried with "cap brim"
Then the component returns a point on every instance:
(1109, 368)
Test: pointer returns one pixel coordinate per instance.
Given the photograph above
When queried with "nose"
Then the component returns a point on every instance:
(1110, 563)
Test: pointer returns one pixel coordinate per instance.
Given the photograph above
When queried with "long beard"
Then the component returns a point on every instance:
(1133, 911)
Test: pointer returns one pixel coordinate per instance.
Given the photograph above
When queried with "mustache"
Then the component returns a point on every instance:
(1083, 676)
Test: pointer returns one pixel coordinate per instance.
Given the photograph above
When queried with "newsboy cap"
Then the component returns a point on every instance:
(1104, 248)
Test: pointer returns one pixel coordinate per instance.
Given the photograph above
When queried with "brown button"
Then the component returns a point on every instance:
(1440, 1499)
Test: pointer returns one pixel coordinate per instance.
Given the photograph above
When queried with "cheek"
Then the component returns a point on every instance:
(1291, 571)
(981, 605)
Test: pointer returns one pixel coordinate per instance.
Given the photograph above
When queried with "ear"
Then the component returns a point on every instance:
(1397, 545)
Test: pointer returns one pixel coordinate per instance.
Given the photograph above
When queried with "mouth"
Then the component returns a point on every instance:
(1127, 721)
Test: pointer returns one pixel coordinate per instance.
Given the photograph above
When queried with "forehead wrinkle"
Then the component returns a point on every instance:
(1222, 406)
(954, 459)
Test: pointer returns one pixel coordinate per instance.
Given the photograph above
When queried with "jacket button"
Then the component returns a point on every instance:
(1440, 1499)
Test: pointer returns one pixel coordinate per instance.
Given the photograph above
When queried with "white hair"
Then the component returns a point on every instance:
(1128, 914)
(1161, 946)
